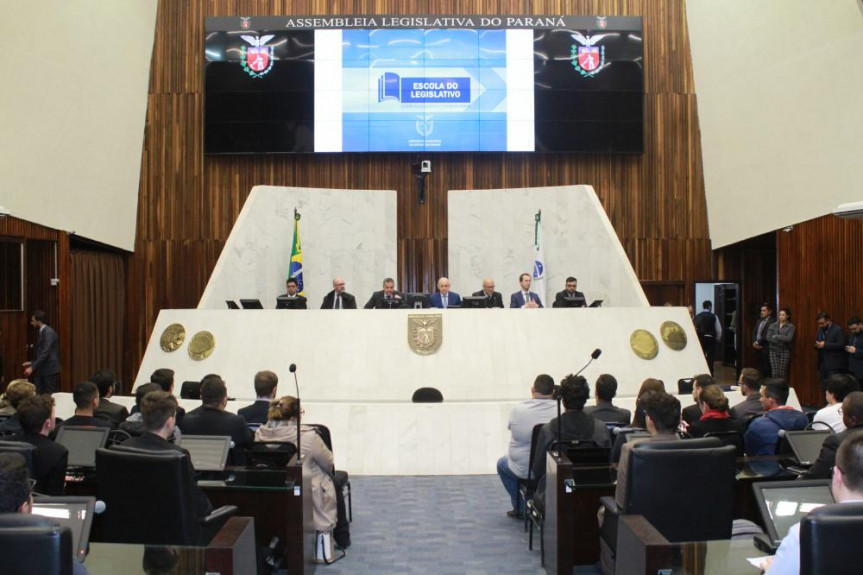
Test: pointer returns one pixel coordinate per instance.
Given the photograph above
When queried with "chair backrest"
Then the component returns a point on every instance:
(730, 437)
(684, 385)
(33, 544)
(427, 395)
(830, 539)
(190, 390)
(271, 454)
(148, 497)
(684, 488)
(21, 447)
(117, 436)
(324, 433)
(534, 439)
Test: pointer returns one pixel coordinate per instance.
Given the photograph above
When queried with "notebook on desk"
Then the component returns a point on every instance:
(82, 443)
(209, 452)
(784, 503)
(76, 513)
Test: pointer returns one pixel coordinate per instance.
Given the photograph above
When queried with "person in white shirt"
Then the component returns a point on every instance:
(837, 387)
(847, 488)
(522, 419)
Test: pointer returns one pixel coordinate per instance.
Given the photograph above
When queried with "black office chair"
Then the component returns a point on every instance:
(33, 544)
(270, 454)
(21, 447)
(148, 499)
(685, 385)
(117, 437)
(341, 478)
(427, 395)
(830, 539)
(734, 438)
(665, 481)
(527, 487)
(190, 390)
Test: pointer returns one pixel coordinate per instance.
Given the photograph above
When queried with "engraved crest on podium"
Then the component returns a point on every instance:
(425, 333)
(172, 338)
(643, 344)
(202, 345)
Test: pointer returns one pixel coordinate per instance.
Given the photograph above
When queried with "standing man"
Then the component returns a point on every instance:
(293, 288)
(388, 293)
(339, 298)
(45, 366)
(524, 297)
(830, 343)
(855, 348)
(759, 339)
(569, 292)
(445, 298)
(709, 332)
(492, 298)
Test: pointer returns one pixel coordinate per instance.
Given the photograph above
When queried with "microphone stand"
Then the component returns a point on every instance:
(293, 369)
(596, 353)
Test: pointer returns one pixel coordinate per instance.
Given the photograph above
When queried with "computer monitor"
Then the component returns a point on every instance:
(76, 513)
(596, 303)
(209, 452)
(784, 503)
(232, 304)
(574, 301)
(806, 445)
(82, 443)
(475, 301)
(298, 302)
(251, 304)
(393, 303)
(418, 300)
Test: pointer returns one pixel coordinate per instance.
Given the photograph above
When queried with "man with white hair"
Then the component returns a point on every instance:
(445, 298)
(339, 298)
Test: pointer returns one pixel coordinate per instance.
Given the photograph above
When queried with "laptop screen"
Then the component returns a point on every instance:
(806, 445)
(209, 452)
(784, 503)
(76, 513)
(82, 443)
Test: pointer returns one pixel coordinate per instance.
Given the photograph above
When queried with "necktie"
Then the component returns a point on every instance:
(339, 301)
(445, 299)
(526, 297)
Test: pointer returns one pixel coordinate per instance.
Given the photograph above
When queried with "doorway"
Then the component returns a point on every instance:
(724, 297)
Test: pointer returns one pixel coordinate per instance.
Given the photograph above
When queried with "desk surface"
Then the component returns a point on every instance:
(111, 558)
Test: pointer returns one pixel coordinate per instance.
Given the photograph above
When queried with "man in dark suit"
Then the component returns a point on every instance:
(50, 459)
(294, 294)
(492, 298)
(569, 292)
(759, 338)
(105, 380)
(164, 378)
(830, 343)
(604, 391)
(524, 297)
(852, 416)
(445, 298)
(389, 293)
(339, 298)
(266, 383)
(86, 398)
(212, 419)
(693, 413)
(855, 348)
(158, 410)
(46, 362)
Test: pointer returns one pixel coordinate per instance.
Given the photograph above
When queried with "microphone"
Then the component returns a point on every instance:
(100, 507)
(596, 353)
(293, 369)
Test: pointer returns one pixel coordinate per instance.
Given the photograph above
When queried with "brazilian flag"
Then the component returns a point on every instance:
(296, 269)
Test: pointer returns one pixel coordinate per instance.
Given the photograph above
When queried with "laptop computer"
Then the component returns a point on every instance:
(596, 303)
(209, 452)
(82, 443)
(76, 513)
(806, 445)
(784, 503)
(251, 304)
(232, 304)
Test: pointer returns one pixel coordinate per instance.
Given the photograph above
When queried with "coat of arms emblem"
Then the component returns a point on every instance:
(257, 59)
(425, 333)
(587, 58)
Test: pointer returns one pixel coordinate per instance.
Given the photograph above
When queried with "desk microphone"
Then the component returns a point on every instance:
(596, 353)
(293, 369)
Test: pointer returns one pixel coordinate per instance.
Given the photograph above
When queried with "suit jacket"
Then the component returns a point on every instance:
(823, 466)
(762, 341)
(212, 421)
(152, 442)
(348, 301)
(691, 414)
(49, 464)
(377, 297)
(46, 354)
(608, 413)
(748, 408)
(833, 356)
(113, 412)
(558, 297)
(84, 421)
(303, 303)
(517, 299)
(855, 360)
(496, 299)
(453, 299)
(257, 412)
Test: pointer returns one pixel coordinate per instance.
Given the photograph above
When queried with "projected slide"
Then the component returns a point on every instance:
(447, 90)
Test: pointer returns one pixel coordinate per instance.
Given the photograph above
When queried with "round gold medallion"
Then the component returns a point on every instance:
(643, 344)
(673, 335)
(173, 337)
(201, 345)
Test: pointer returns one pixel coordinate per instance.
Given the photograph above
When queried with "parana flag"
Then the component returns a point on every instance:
(296, 269)
(538, 286)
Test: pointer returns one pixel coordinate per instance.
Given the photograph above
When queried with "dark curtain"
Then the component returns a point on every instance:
(98, 313)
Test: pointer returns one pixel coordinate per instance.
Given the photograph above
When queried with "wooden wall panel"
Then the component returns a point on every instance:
(819, 270)
(188, 203)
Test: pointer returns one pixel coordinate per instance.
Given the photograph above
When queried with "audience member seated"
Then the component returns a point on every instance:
(604, 391)
(317, 460)
(837, 387)
(715, 417)
(159, 413)
(16, 392)
(212, 419)
(693, 413)
(164, 378)
(86, 398)
(575, 424)
(847, 487)
(750, 386)
(762, 436)
(36, 414)
(266, 383)
(134, 424)
(852, 416)
(638, 423)
(106, 381)
(513, 467)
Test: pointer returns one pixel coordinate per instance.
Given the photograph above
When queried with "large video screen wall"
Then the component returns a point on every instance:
(423, 84)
